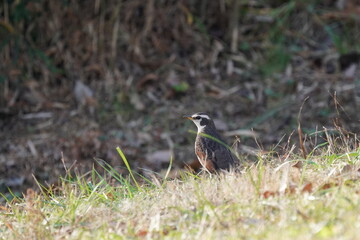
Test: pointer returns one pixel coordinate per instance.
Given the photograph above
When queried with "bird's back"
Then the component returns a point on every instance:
(216, 149)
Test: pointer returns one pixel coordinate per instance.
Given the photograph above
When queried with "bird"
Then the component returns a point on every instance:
(211, 151)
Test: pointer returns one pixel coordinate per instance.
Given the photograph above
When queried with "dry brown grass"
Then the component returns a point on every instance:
(269, 200)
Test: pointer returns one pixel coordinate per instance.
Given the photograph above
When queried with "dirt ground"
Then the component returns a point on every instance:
(97, 79)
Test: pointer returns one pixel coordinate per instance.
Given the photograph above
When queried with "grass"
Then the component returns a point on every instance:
(268, 200)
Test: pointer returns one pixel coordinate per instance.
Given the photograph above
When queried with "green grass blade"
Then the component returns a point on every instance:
(122, 155)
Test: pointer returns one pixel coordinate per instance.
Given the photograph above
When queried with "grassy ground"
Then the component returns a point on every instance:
(317, 199)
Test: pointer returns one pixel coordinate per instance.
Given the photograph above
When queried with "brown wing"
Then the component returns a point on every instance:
(218, 154)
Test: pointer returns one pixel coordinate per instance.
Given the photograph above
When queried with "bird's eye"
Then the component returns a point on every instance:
(197, 118)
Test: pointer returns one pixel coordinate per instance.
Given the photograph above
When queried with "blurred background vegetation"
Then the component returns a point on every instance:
(78, 78)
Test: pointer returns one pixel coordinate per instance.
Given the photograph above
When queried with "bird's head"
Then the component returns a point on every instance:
(201, 120)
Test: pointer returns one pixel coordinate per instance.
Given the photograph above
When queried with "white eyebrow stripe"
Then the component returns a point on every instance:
(204, 116)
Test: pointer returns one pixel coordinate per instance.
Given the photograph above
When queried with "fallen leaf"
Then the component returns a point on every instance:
(159, 157)
(290, 189)
(136, 102)
(350, 71)
(142, 233)
(242, 132)
(327, 186)
(83, 94)
(14, 181)
(298, 165)
(148, 78)
(2, 208)
(303, 215)
(268, 194)
(307, 188)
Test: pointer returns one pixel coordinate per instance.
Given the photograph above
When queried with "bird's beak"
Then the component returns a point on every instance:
(187, 117)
